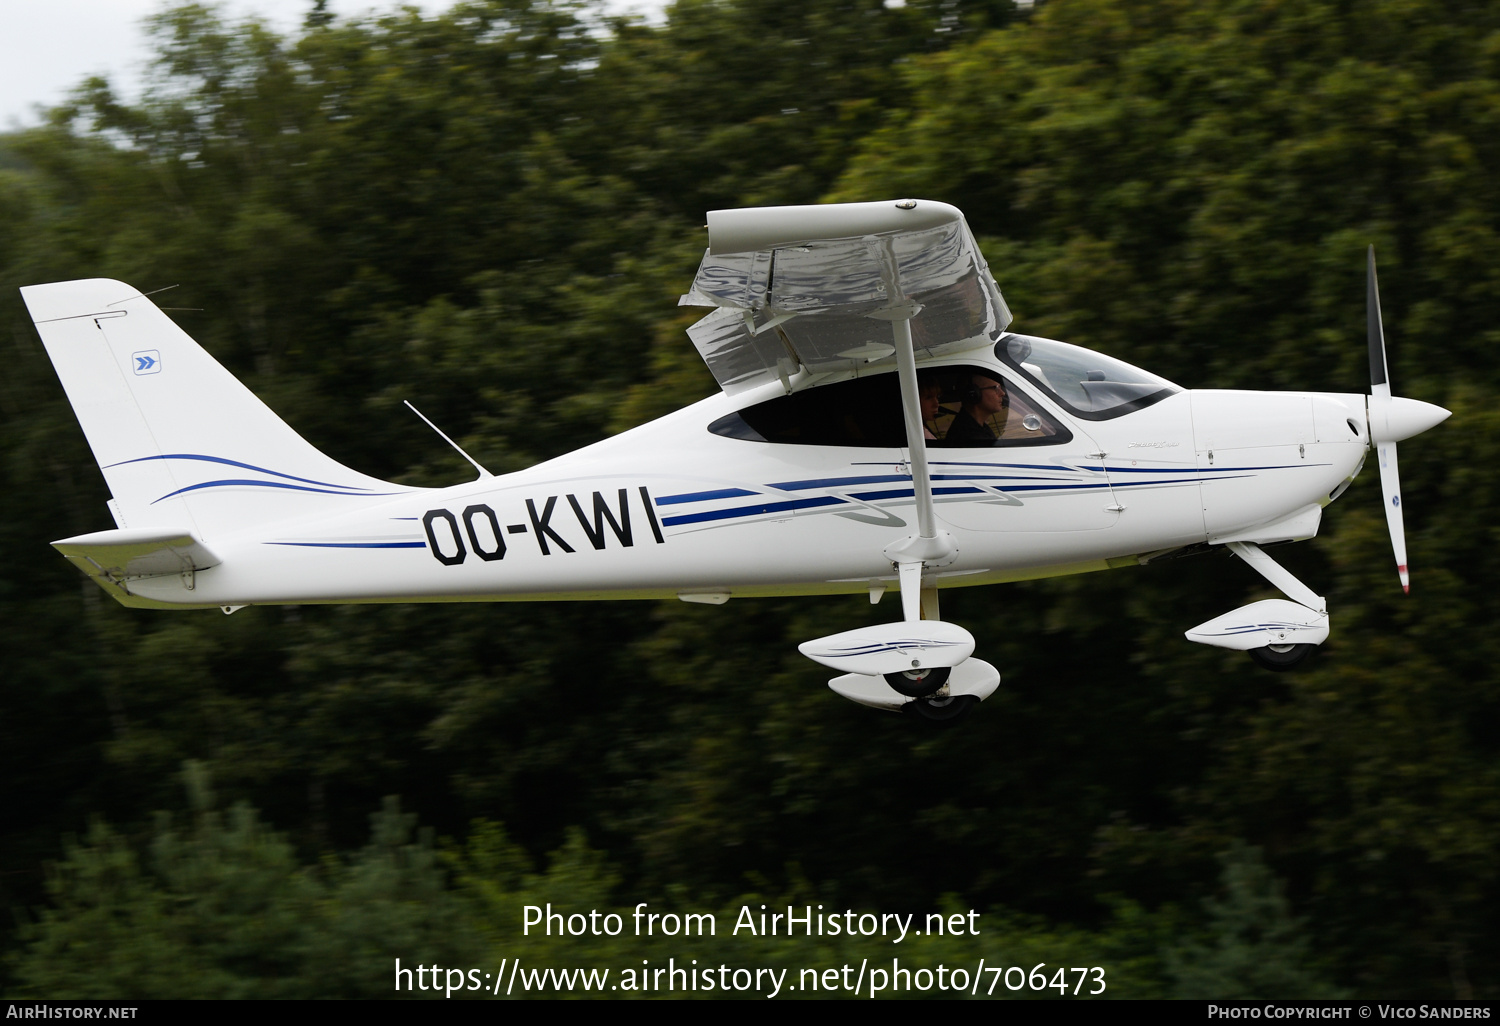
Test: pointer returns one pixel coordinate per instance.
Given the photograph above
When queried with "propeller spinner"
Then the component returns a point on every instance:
(1391, 419)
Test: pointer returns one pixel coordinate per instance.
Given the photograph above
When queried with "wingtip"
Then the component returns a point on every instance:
(1405, 579)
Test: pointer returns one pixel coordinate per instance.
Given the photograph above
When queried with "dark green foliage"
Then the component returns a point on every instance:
(1255, 948)
(222, 909)
(491, 213)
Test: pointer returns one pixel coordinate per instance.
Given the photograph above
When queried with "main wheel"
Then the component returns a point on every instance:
(919, 683)
(940, 710)
(1281, 658)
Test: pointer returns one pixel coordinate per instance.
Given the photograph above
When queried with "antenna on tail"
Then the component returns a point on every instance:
(456, 448)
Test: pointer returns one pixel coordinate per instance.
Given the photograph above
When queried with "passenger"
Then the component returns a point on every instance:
(983, 398)
(931, 392)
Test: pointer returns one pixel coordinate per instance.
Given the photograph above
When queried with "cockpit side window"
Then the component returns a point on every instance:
(1083, 382)
(978, 408)
(962, 407)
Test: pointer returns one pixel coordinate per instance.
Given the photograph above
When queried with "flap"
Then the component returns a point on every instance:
(137, 552)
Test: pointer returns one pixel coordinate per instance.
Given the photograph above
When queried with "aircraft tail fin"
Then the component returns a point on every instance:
(181, 442)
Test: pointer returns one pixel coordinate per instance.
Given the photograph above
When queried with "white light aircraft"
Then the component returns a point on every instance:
(878, 426)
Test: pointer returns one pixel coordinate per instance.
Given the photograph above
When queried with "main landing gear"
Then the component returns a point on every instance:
(1280, 658)
(920, 665)
(933, 701)
(944, 711)
(919, 683)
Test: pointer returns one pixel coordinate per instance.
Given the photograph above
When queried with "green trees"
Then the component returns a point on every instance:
(222, 909)
(491, 213)
(1255, 948)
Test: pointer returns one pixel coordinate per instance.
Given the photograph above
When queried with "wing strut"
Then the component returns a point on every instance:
(929, 546)
(916, 436)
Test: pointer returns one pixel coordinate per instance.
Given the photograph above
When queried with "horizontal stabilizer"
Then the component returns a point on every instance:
(970, 677)
(1268, 622)
(119, 555)
(892, 647)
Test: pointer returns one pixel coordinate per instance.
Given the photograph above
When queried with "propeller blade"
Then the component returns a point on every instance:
(1390, 487)
(1380, 396)
(1380, 382)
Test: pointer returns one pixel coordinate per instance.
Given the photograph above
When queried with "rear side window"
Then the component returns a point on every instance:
(963, 407)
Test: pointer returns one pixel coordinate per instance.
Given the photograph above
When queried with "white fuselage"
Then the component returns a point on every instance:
(671, 509)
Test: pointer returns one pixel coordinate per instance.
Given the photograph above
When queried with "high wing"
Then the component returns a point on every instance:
(813, 287)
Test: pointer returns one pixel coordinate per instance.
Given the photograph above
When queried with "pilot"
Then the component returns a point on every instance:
(983, 398)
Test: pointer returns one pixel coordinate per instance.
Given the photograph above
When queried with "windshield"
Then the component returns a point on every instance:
(1089, 384)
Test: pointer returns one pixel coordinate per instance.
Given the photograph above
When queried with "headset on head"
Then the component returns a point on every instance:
(972, 394)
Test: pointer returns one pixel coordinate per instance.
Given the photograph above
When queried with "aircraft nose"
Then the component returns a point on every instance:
(1393, 419)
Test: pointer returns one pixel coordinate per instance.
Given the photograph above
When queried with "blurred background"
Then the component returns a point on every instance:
(490, 209)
